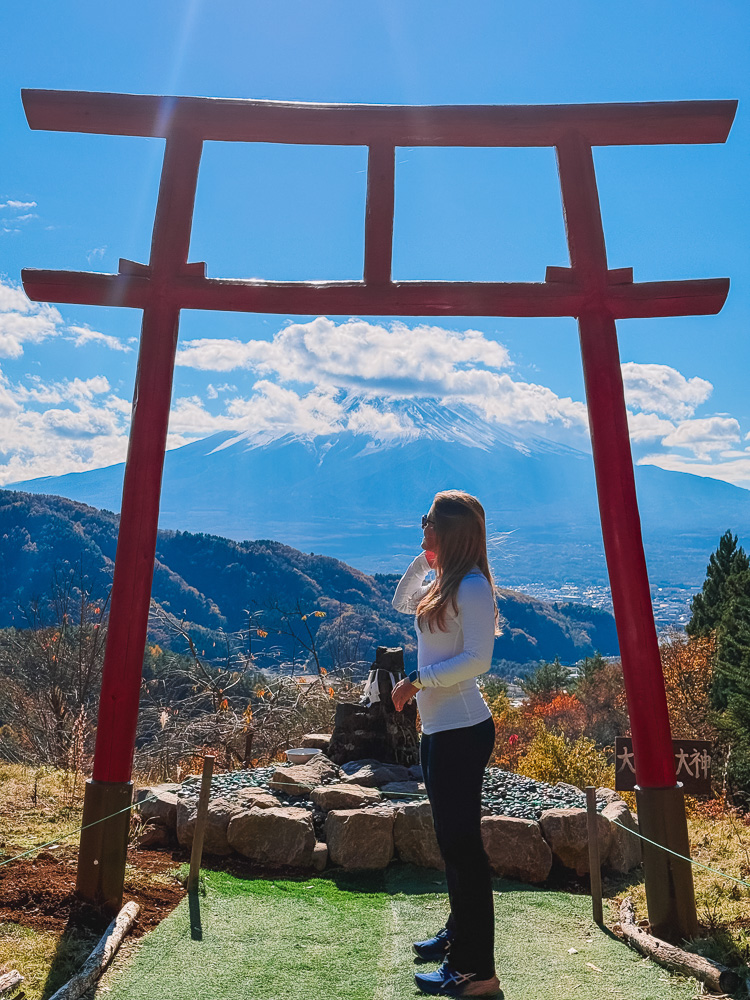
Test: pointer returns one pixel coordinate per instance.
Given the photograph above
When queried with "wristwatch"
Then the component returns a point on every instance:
(414, 678)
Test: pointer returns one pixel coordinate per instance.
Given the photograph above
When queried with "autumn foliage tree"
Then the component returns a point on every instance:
(562, 713)
(552, 718)
(688, 665)
(600, 688)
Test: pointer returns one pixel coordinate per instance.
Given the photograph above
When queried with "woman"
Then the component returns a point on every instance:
(456, 622)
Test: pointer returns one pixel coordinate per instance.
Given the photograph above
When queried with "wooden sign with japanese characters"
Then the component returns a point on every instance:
(692, 765)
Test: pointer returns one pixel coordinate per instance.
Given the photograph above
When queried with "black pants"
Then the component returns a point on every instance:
(453, 763)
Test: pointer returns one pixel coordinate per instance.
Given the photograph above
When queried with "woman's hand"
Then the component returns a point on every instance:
(431, 557)
(403, 692)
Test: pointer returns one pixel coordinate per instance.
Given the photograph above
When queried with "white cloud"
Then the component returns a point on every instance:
(704, 436)
(74, 390)
(214, 391)
(661, 389)
(85, 335)
(49, 429)
(353, 354)
(383, 425)
(274, 410)
(395, 362)
(322, 378)
(18, 205)
(25, 322)
(648, 427)
(735, 471)
(505, 401)
(189, 420)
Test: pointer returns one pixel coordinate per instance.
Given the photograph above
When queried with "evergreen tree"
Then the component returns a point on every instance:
(590, 666)
(547, 680)
(731, 687)
(707, 607)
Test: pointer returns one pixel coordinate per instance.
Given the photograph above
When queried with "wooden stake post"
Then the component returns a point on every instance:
(200, 823)
(587, 290)
(595, 864)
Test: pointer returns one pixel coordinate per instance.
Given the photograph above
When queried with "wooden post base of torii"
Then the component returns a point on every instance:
(587, 290)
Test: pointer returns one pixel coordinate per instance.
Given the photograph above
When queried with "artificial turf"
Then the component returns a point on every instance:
(348, 937)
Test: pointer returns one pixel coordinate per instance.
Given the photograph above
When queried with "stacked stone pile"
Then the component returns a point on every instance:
(365, 813)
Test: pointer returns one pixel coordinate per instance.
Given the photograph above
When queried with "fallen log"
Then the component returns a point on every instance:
(10, 981)
(717, 977)
(101, 956)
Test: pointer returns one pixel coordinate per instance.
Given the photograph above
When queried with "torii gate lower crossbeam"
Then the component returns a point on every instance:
(587, 290)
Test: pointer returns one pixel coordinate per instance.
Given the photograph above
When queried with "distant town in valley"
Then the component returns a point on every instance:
(671, 604)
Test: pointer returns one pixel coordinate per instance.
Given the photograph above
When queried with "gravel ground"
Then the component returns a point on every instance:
(503, 794)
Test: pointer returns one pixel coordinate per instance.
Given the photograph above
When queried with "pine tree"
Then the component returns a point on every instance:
(547, 680)
(708, 607)
(590, 666)
(731, 687)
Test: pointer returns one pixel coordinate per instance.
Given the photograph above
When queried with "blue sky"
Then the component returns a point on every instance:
(81, 202)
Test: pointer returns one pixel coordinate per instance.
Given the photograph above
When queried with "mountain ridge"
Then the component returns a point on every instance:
(220, 586)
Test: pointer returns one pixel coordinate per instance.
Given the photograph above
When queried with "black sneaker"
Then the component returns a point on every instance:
(449, 982)
(434, 949)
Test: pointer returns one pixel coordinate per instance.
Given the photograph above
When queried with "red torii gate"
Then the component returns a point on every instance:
(587, 290)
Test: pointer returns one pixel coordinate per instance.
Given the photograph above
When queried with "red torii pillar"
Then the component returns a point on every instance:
(587, 290)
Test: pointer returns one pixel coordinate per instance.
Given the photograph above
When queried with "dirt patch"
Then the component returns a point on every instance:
(39, 892)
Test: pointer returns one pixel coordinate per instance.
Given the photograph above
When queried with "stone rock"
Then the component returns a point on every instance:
(275, 836)
(359, 838)
(154, 837)
(566, 832)
(383, 808)
(376, 775)
(47, 856)
(404, 787)
(399, 772)
(516, 848)
(220, 813)
(352, 766)
(567, 787)
(163, 807)
(187, 810)
(300, 779)
(414, 836)
(624, 849)
(343, 796)
(320, 856)
(608, 795)
(260, 797)
(317, 741)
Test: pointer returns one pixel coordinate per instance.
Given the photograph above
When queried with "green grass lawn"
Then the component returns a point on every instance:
(348, 937)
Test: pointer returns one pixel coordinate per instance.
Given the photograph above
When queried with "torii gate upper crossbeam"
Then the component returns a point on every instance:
(382, 129)
(237, 120)
(588, 290)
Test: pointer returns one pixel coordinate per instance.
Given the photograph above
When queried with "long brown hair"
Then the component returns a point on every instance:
(459, 523)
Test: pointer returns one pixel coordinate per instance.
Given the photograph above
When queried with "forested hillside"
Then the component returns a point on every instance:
(218, 586)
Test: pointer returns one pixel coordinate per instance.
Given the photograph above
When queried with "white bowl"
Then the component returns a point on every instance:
(301, 755)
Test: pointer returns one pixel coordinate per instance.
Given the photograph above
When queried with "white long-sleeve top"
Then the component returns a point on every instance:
(449, 662)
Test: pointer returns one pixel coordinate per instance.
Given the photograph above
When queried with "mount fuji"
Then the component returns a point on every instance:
(359, 498)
